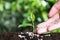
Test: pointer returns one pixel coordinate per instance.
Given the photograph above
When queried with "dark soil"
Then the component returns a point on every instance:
(29, 36)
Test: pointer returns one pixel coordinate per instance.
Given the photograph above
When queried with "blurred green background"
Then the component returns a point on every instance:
(23, 15)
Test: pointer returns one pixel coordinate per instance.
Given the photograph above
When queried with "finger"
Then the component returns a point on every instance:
(41, 30)
(41, 25)
(55, 9)
(53, 19)
(55, 26)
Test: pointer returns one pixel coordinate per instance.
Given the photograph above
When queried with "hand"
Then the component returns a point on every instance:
(51, 24)
(46, 26)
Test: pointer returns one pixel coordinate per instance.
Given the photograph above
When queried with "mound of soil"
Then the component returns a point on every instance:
(29, 36)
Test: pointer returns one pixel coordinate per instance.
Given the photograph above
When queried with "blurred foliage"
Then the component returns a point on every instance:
(23, 15)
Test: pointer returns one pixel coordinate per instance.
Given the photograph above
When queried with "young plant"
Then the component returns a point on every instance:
(29, 17)
(32, 17)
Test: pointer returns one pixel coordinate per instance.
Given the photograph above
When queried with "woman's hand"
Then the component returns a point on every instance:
(46, 26)
(53, 22)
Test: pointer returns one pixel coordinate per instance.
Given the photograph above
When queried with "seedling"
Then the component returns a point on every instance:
(33, 19)
(32, 16)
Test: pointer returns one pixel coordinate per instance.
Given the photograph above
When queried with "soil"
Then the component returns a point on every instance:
(29, 36)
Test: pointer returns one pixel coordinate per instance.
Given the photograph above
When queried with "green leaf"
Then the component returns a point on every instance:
(32, 17)
(25, 25)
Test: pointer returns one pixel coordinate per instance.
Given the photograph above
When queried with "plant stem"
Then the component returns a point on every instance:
(33, 26)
